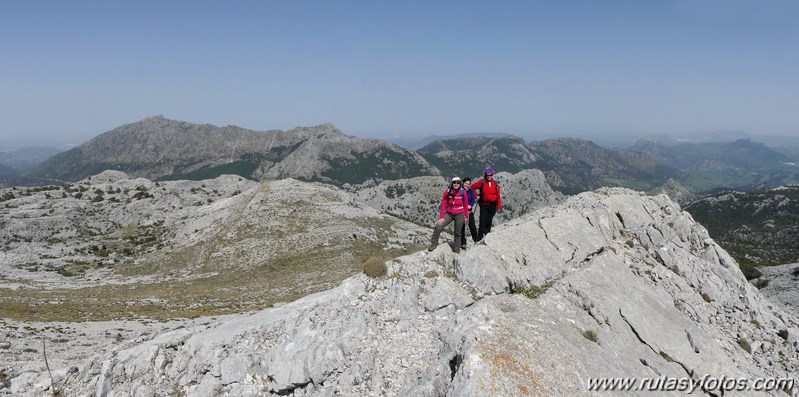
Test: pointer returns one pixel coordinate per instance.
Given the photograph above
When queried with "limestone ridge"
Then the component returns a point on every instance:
(418, 199)
(159, 148)
(625, 285)
(676, 191)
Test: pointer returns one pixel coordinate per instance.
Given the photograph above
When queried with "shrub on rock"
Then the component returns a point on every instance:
(375, 268)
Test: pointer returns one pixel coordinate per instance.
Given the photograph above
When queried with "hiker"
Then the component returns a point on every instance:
(454, 207)
(467, 185)
(489, 199)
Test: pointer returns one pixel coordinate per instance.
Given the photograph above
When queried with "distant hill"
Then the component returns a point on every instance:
(6, 170)
(739, 165)
(572, 165)
(758, 228)
(470, 156)
(162, 149)
(418, 143)
(584, 165)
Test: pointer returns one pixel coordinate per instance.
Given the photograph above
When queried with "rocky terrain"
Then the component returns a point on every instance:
(114, 247)
(676, 191)
(782, 285)
(418, 199)
(607, 284)
(159, 148)
(758, 228)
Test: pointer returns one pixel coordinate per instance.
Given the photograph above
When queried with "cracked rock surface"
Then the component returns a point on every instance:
(610, 283)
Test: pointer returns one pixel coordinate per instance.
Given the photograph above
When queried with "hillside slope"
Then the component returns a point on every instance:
(471, 155)
(609, 284)
(758, 228)
(583, 165)
(741, 165)
(182, 248)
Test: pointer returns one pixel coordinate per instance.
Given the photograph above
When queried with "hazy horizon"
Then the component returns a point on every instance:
(411, 69)
(607, 140)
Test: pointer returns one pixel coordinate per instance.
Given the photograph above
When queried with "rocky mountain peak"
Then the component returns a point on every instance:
(160, 148)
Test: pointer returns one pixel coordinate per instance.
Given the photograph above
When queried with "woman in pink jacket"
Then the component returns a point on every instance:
(454, 207)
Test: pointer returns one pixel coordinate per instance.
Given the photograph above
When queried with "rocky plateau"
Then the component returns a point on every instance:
(611, 284)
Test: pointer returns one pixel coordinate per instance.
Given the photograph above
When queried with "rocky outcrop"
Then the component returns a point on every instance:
(676, 191)
(782, 285)
(608, 284)
(419, 199)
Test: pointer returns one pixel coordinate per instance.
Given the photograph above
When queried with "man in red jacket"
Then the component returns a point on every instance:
(489, 199)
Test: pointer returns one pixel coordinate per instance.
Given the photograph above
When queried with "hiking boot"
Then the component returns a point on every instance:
(432, 247)
(463, 246)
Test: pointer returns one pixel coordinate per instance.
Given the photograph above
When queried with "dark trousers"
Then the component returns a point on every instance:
(448, 218)
(487, 212)
(472, 230)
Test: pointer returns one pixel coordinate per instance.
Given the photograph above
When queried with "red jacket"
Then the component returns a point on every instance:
(489, 192)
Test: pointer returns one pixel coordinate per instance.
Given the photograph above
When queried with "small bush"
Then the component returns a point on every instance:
(795, 272)
(531, 293)
(5, 380)
(761, 283)
(745, 345)
(591, 335)
(750, 271)
(375, 268)
(431, 274)
(706, 297)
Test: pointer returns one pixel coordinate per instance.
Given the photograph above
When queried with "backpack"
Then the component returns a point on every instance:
(451, 197)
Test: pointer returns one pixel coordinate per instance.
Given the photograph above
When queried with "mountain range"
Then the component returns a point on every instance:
(741, 165)
(161, 149)
(572, 165)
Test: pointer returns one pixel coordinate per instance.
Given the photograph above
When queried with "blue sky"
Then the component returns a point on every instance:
(72, 70)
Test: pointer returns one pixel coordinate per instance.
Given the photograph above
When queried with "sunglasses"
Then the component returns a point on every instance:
(456, 183)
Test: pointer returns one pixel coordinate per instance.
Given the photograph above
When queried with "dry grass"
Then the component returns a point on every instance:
(230, 290)
(375, 268)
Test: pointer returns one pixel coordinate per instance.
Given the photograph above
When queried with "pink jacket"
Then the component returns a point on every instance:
(457, 203)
